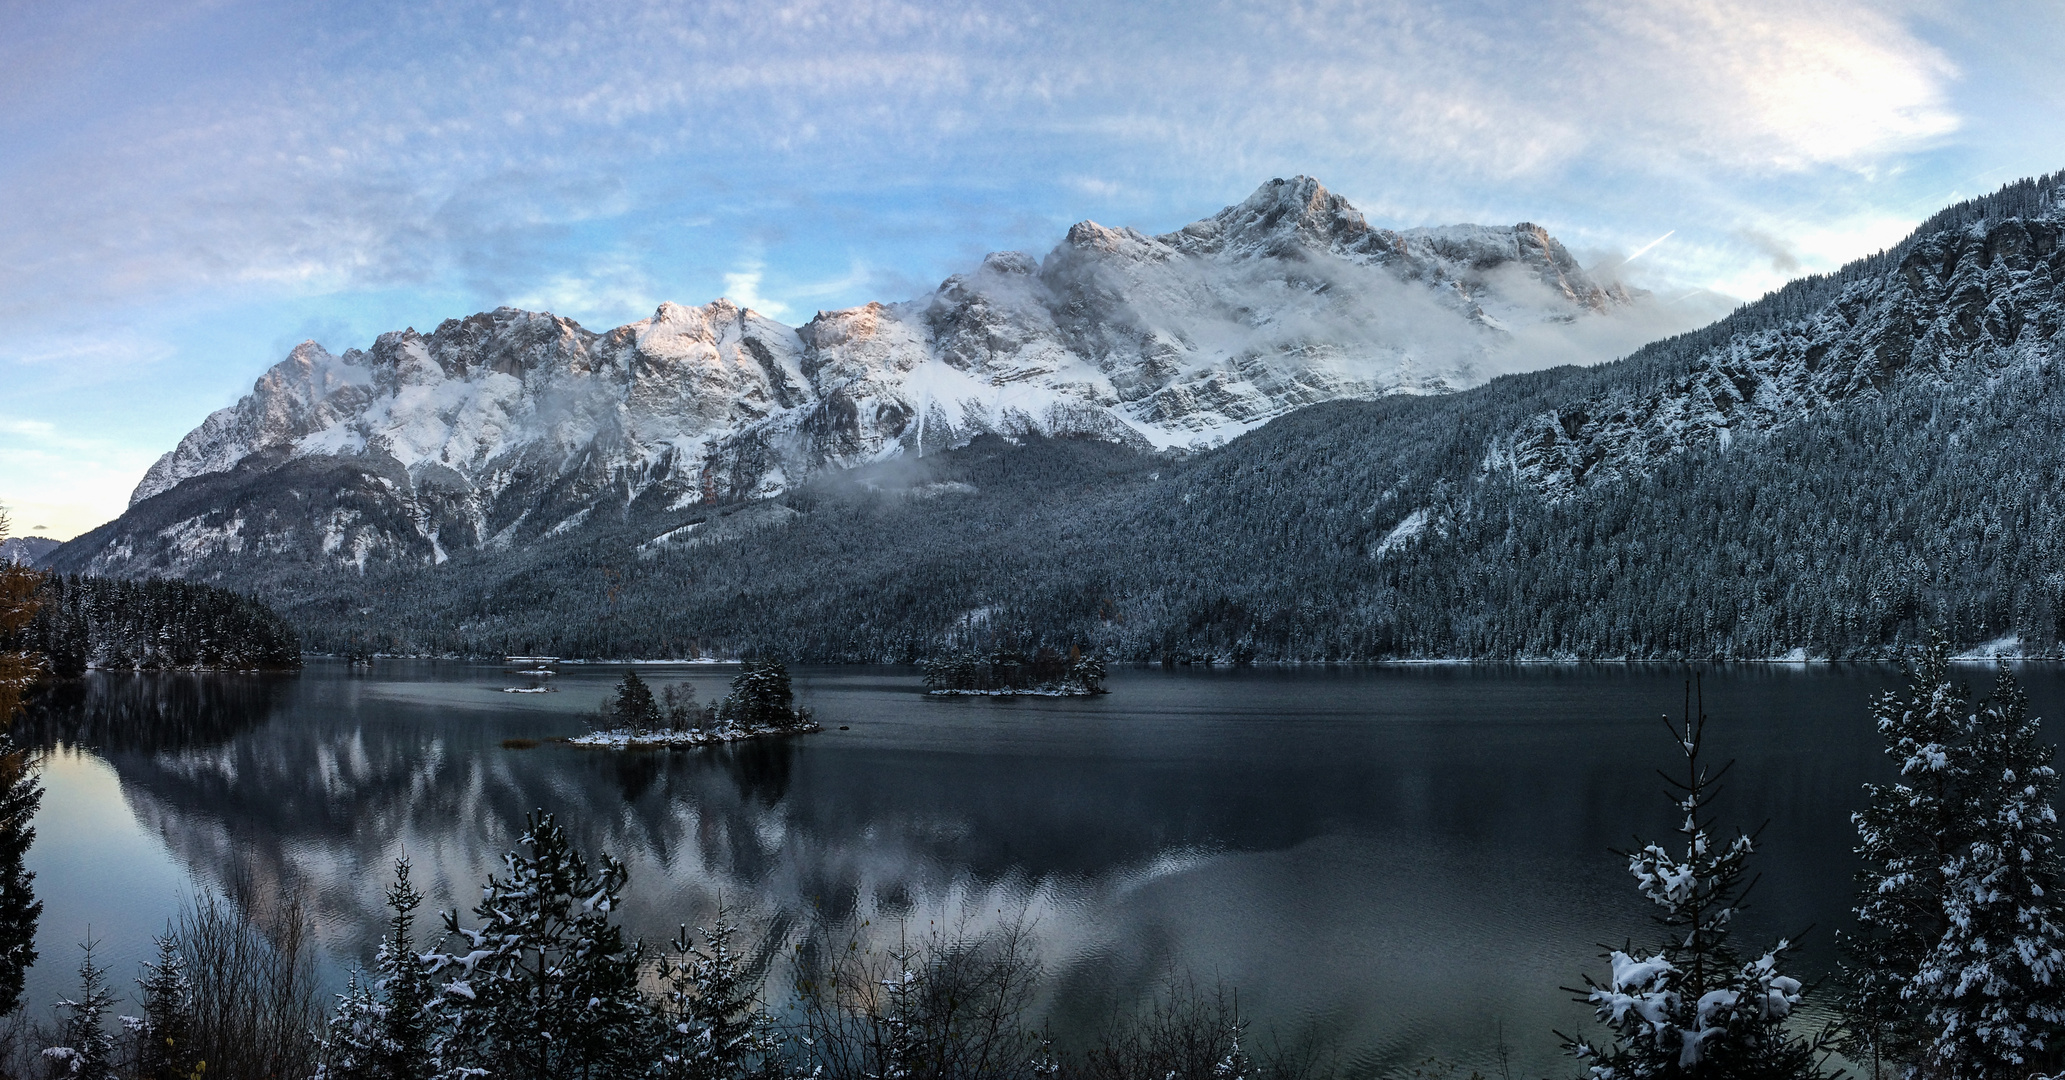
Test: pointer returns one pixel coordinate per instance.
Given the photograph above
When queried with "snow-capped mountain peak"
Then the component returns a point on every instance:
(508, 423)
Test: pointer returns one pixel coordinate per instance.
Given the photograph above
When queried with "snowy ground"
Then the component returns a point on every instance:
(631, 740)
(1070, 691)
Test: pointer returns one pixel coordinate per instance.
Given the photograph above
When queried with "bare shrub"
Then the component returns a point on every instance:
(941, 1008)
(255, 1006)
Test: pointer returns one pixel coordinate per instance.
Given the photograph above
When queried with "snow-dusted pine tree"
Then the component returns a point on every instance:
(1907, 834)
(1959, 968)
(1694, 1008)
(387, 1027)
(164, 1035)
(714, 1025)
(84, 1049)
(1994, 984)
(548, 988)
(351, 1039)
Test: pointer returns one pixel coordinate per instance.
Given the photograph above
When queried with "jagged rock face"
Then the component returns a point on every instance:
(510, 424)
(1992, 294)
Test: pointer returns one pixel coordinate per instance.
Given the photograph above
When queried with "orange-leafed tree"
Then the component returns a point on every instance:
(19, 793)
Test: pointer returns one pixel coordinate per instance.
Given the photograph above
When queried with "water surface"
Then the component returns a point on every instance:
(1409, 860)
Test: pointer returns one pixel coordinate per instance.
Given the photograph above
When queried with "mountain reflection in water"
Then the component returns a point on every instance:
(1409, 859)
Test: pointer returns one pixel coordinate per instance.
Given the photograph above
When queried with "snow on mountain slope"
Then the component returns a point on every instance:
(1990, 292)
(511, 424)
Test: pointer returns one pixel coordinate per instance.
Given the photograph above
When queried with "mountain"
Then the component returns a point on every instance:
(1834, 470)
(26, 550)
(508, 426)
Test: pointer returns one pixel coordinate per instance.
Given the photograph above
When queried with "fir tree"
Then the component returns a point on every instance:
(548, 988)
(635, 709)
(714, 1027)
(351, 1039)
(386, 1028)
(1908, 832)
(84, 1049)
(1995, 982)
(1960, 963)
(1695, 1008)
(164, 1034)
(761, 697)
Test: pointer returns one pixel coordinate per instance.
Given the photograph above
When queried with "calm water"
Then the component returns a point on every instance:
(1410, 860)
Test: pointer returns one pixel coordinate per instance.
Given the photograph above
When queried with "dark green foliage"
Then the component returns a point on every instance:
(20, 796)
(1010, 670)
(386, 1026)
(546, 987)
(155, 623)
(712, 1025)
(634, 708)
(1695, 1008)
(1959, 967)
(761, 698)
(163, 1036)
(84, 1050)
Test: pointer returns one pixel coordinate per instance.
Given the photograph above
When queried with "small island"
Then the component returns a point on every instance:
(1007, 673)
(761, 703)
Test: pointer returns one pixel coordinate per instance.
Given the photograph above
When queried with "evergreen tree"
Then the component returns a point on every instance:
(761, 696)
(1995, 982)
(1908, 832)
(20, 795)
(1960, 965)
(351, 1038)
(386, 1028)
(548, 989)
(713, 1025)
(634, 708)
(1695, 1008)
(164, 1034)
(84, 1049)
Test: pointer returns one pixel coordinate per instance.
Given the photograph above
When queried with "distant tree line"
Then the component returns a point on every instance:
(154, 623)
(1010, 670)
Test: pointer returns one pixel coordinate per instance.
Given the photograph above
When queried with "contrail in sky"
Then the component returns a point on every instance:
(1644, 249)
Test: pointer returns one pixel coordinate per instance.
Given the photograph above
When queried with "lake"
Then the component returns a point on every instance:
(1409, 861)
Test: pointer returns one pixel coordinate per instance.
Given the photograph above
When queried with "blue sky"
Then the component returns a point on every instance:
(187, 189)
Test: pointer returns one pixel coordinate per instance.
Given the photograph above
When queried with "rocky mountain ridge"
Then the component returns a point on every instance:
(1837, 470)
(511, 425)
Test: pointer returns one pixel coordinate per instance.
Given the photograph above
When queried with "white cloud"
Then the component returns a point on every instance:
(742, 287)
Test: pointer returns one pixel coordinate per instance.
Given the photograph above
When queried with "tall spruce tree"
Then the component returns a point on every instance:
(634, 708)
(1694, 1007)
(1959, 966)
(547, 988)
(84, 1049)
(386, 1027)
(1995, 982)
(163, 1036)
(713, 1026)
(1907, 833)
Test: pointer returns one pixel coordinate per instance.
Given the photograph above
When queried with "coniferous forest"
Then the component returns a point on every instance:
(153, 624)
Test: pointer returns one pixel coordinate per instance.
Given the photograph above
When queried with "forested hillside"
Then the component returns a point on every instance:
(104, 623)
(1827, 472)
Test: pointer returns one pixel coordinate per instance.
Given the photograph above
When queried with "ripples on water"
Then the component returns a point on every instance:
(1406, 859)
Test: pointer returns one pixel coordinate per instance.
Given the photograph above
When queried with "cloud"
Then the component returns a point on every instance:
(1782, 258)
(742, 287)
